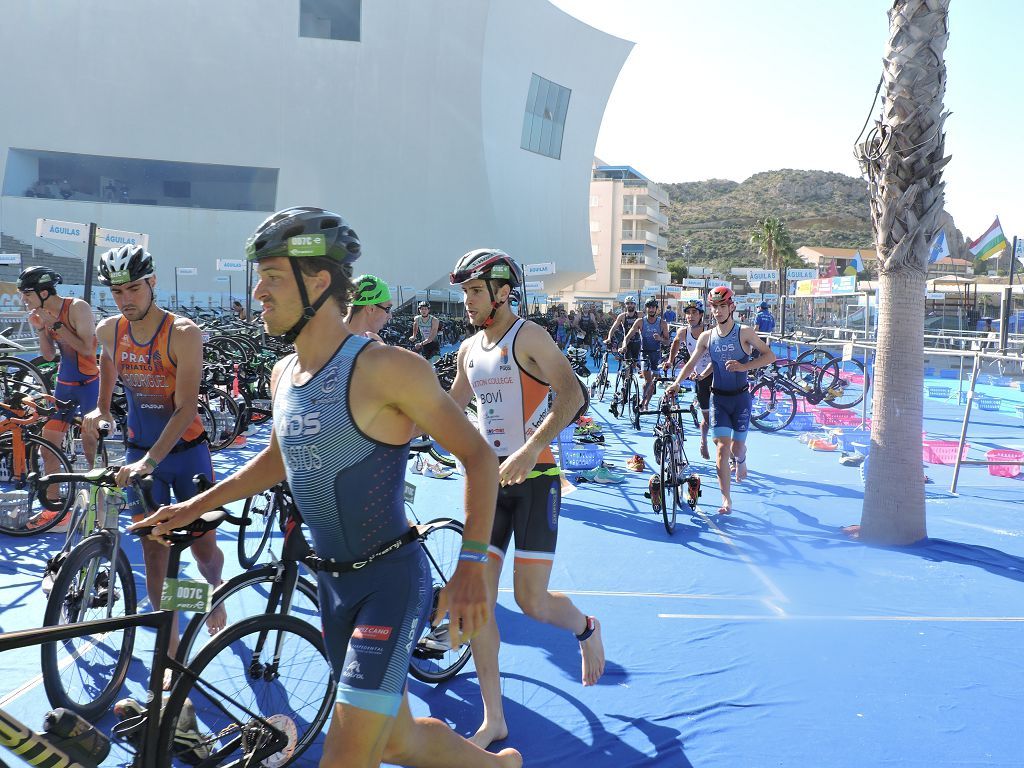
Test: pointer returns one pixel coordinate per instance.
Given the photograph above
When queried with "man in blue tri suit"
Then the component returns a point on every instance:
(730, 345)
(345, 408)
(653, 332)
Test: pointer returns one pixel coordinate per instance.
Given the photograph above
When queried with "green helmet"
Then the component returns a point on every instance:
(370, 289)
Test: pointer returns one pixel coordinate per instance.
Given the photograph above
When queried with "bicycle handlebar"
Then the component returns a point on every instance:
(182, 536)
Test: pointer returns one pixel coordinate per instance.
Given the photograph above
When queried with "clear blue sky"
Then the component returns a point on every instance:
(724, 89)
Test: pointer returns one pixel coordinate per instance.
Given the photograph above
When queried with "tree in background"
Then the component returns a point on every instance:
(903, 159)
(772, 241)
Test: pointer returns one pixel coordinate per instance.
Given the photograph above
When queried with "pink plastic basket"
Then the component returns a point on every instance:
(832, 417)
(942, 451)
(1004, 454)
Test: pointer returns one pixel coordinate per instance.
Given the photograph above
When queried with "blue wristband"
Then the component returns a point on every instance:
(473, 557)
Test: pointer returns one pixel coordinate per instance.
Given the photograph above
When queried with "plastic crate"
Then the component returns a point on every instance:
(576, 457)
(849, 437)
(940, 392)
(1002, 381)
(1020, 410)
(863, 449)
(942, 451)
(834, 417)
(565, 436)
(1004, 454)
(986, 402)
(949, 373)
(929, 371)
(802, 422)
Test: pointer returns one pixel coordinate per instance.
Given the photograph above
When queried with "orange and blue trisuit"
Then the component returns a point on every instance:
(149, 374)
(77, 375)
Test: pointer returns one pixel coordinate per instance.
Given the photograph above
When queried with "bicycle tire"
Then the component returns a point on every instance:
(90, 683)
(602, 383)
(808, 364)
(258, 515)
(437, 451)
(669, 503)
(20, 376)
(220, 416)
(248, 594)
(22, 497)
(634, 406)
(680, 464)
(442, 546)
(299, 688)
(771, 408)
(836, 387)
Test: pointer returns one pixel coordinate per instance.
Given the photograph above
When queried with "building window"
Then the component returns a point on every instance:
(330, 19)
(137, 181)
(595, 226)
(595, 248)
(544, 121)
(595, 201)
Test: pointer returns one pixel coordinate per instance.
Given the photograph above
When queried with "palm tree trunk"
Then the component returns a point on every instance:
(903, 160)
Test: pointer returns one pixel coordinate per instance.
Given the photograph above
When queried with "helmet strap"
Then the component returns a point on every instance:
(495, 305)
(308, 310)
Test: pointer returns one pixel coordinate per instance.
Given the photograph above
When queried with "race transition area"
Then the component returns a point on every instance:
(766, 638)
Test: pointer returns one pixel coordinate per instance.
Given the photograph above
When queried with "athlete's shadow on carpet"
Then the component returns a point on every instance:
(543, 742)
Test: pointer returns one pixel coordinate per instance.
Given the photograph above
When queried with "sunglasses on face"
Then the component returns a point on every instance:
(386, 308)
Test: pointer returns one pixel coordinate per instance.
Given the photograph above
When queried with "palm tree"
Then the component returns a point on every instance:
(772, 240)
(903, 159)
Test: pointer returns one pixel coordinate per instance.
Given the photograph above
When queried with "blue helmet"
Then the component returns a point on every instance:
(695, 304)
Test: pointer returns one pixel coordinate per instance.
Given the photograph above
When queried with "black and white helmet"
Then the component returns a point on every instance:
(125, 264)
(487, 264)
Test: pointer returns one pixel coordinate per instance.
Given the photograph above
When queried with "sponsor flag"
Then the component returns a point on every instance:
(832, 271)
(855, 266)
(939, 249)
(989, 244)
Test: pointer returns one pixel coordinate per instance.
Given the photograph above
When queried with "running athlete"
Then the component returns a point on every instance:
(158, 357)
(511, 365)
(625, 320)
(653, 331)
(730, 345)
(371, 307)
(344, 410)
(64, 326)
(693, 313)
(426, 326)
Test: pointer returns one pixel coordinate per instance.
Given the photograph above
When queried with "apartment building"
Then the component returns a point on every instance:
(626, 240)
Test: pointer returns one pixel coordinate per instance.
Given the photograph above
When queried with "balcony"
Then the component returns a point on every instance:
(652, 214)
(643, 187)
(643, 261)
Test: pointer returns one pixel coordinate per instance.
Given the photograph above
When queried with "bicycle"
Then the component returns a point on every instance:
(24, 456)
(600, 385)
(275, 663)
(626, 395)
(670, 454)
(279, 587)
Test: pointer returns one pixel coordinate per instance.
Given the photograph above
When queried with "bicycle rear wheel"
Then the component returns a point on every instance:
(220, 416)
(670, 501)
(18, 376)
(85, 674)
(24, 509)
(432, 661)
(259, 512)
(272, 666)
(439, 453)
(842, 384)
(771, 408)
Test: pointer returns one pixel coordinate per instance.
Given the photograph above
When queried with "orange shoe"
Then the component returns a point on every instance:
(636, 463)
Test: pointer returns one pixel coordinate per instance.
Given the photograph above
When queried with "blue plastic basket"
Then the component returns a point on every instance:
(940, 392)
(802, 422)
(949, 373)
(986, 402)
(847, 439)
(929, 371)
(1002, 381)
(862, 448)
(576, 457)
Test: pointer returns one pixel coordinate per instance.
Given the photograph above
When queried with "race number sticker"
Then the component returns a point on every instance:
(185, 595)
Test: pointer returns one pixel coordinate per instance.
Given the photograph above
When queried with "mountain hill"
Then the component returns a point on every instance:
(710, 221)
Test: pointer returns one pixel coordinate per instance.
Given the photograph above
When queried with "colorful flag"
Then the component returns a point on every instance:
(990, 244)
(832, 271)
(939, 249)
(856, 265)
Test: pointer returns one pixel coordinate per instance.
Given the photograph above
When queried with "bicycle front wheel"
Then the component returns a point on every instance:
(24, 509)
(432, 661)
(271, 667)
(259, 513)
(669, 501)
(86, 673)
(842, 384)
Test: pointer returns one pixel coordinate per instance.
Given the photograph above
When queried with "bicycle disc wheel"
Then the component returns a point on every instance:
(248, 594)
(24, 509)
(842, 384)
(669, 501)
(771, 408)
(85, 673)
(260, 513)
(271, 666)
(432, 661)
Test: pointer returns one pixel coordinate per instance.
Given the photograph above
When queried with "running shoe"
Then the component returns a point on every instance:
(417, 465)
(598, 438)
(437, 639)
(602, 475)
(45, 517)
(437, 471)
(636, 463)
(654, 492)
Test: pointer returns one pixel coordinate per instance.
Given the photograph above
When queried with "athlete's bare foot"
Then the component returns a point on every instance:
(741, 470)
(592, 651)
(704, 454)
(488, 733)
(216, 620)
(725, 509)
(511, 758)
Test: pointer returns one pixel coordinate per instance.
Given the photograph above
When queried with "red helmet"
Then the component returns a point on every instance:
(721, 295)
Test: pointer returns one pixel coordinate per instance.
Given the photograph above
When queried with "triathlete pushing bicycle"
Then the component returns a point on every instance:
(730, 345)
(344, 411)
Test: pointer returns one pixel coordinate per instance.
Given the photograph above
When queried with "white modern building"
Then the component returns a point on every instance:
(626, 240)
(433, 126)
